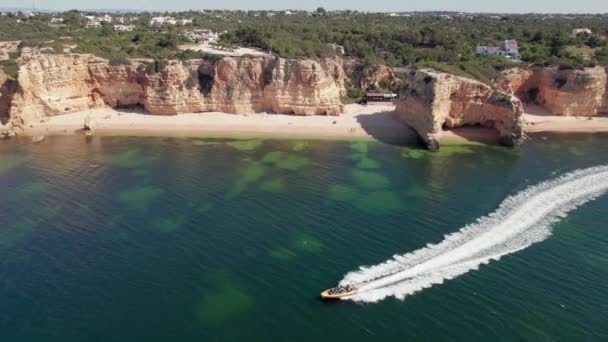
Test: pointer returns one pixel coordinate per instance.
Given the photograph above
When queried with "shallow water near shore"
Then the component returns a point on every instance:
(156, 239)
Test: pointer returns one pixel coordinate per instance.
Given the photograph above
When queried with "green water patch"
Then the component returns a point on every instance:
(273, 157)
(370, 180)
(21, 229)
(308, 244)
(437, 185)
(380, 202)
(205, 143)
(367, 163)
(274, 186)
(599, 262)
(129, 159)
(17, 231)
(245, 145)
(418, 192)
(576, 151)
(360, 147)
(167, 225)
(250, 251)
(9, 162)
(205, 208)
(139, 172)
(283, 254)
(251, 173)
(298, 145)
(343, 193)
(225, 302)
(50, 211)
(293, 163)
(444, 151)
(32, 189)
(140, 198)
(281, 160)
(413, 153)
(505, 151)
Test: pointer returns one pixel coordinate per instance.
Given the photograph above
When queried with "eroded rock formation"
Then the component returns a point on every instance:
(7, 90)
(58, 84)
(430, 101)
(570, 92)
(379, 77)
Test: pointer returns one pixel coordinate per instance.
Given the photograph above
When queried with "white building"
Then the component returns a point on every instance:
(94, 21)
(339, 49)
(508, 49)
(161, 21)
(185, 22)
(204, 36)
(56, 20)
(123, 28)
(105, 18)
(578, 31)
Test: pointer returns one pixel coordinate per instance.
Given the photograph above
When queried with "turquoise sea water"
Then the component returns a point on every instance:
(221, 240)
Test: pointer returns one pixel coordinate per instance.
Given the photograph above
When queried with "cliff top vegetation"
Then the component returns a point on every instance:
(445, 41)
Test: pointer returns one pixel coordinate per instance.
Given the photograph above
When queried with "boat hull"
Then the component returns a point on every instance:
(326, 296)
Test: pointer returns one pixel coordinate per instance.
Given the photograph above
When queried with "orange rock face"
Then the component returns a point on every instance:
(430, 101)
(561, 92)
(57, 84)
(378, 77)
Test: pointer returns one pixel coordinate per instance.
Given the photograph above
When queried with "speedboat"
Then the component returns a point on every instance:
(338, 292)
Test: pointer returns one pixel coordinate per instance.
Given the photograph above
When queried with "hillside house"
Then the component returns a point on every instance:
(123, 28)
(203, 36)
(94, 21)
(578, 31)
(161, 21)
(508, 49)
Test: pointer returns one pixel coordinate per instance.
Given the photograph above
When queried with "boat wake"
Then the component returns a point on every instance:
(520, 221)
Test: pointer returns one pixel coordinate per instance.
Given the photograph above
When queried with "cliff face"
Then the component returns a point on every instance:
(7, 90)
(430, 101)
(378, 77)
(561, 92)
(52, 85)
(305, 87)
(57, 84)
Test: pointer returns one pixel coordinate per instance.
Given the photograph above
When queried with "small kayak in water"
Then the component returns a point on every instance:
(338, 292)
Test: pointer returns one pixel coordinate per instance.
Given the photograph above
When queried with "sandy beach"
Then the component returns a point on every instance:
(373, 121)
(359, 122)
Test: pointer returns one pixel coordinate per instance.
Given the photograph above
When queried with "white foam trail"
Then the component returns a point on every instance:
(519, 221)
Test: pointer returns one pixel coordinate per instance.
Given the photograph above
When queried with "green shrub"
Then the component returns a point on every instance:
(156, 66)
(119, 61)
(10, 68)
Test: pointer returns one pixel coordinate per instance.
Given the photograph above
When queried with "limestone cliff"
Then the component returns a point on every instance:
(570, 92)
(305, 87)
(7, 90)
(57, 84)
(430, 101)
(377, 78)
